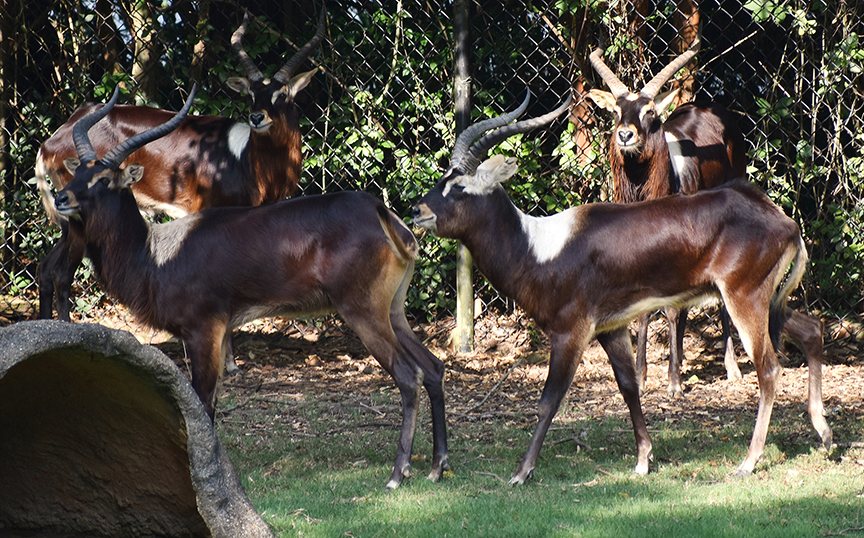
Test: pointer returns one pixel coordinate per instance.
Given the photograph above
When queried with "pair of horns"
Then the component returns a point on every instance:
(121, 151)
(467, 153)
(651, 89)
(287, 71)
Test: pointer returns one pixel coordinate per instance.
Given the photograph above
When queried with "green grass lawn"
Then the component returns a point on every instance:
(329, 479)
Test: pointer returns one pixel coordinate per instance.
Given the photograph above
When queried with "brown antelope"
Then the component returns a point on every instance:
(698, 147)
(201, 275)
(207, 161)
(588, 271)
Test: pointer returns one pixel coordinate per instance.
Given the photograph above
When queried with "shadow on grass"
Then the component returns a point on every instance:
(329, 482)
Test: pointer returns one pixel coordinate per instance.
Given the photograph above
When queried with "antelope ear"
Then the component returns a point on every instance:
(298, 82)
(131, 174)
(239, 85)
(663, 101)
(603, 100)
(495, 170)
(71, 165)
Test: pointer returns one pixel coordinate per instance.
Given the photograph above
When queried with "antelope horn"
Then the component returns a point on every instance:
(479, 148)
(113, 158)
(617, 88)
(466, 137)
(246, 62)
(287, 71)
(83, 146)
(653, 88)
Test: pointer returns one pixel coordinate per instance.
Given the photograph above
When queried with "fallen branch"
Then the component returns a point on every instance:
(491, 474)
(844, 531)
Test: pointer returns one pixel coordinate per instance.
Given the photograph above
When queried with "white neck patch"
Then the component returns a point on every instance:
(238, 138)
(547, 236)
(676, 154)
(166, 240)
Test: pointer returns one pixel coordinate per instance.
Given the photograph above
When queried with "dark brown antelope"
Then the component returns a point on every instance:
(698, 147)
(201, 275)
(588, 271)
(207, 161)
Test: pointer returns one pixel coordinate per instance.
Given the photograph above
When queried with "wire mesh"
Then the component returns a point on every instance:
(379, 115)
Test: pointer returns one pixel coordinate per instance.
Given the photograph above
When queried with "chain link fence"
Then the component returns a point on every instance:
(379, 115)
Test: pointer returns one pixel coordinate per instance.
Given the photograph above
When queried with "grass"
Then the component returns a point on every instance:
(317, 468)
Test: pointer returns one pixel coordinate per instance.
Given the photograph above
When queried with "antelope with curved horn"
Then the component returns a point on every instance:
(202, 275)
(588, 271)
(698, 147)
(206, 161)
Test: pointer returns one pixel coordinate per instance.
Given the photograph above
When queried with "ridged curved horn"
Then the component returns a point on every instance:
(83, 147)
(617, 87)
(113, 158)
(653, 88)
(287, 71)
(466, 137)
(252, 72)
(479, 148)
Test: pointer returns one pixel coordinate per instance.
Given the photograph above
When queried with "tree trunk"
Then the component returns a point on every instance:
(463, 337)
(146, 61)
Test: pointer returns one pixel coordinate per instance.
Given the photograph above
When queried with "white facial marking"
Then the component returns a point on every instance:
(469, 185)
(166, 240)
(676, 155)
(547, 236)
(646, 109)
(238, 138)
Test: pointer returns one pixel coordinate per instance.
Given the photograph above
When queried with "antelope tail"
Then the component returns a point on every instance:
(406, 252)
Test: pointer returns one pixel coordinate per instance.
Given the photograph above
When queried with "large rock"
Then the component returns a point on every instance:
(103, 436)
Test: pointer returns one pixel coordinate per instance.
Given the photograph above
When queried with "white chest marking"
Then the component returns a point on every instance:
(676, 154)
(238, 138)
(547, 236)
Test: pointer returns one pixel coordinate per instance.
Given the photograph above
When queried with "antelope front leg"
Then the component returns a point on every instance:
(618, 348)
(206, 347)
(565, 357)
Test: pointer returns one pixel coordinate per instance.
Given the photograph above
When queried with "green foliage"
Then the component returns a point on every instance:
(797, 168)
(379, 116)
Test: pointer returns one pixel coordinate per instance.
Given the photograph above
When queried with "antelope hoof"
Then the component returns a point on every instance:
(396, 479)
(827, 438)
(438, 471)
(520, 477)
(675, 392)
(642, 464)
(741, 473)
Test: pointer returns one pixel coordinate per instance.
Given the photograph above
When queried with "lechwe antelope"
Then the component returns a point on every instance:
(589, 270)
(202, 275)
(698, 147)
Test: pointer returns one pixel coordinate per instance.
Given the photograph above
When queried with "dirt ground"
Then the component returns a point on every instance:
(503, 377)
